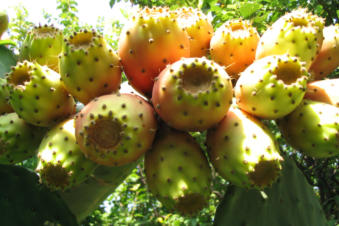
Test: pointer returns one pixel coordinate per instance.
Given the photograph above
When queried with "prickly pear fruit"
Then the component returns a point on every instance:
(37, 94)
(177, 172)
(272, 87)
(43, 45)
(115, 129)
(312, 128)
(18, 139)
(152, 40)
(88, 67)
(5, 107)
(192, 94)
(62, 164)
(233, 45)
(298, 33)
(327, 59)
(3, 22)
(243, 150)
(324, 91)
(199, 29)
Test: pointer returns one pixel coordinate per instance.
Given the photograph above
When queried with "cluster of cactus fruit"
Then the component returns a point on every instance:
(187, 78)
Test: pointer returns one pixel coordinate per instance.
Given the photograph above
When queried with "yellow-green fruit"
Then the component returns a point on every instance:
(243, 150)
(3, 22)
(326, 91)
(88, 67)
(5, 107)
(298, 33)
(43, 44)
(177, 172)
(37, 95)
(313, 129)
(272, 87)
(61, 162)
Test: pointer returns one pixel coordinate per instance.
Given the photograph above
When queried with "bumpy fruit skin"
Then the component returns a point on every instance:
(199, 29)
(327, 59)
(313, 129)
(116, 129)
(148, 43)
(3, 22)
(298, 33)
(62, 164)
(37, 94)
(177, 172)
(5, 107)
(272, 87)
(326, 91)
(234, 45)
(43, 44)
(192, 94)
(88, 67)
(18, 139)
(243, 151)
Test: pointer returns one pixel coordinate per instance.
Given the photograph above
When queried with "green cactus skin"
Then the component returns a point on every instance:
(84, 198)
(24, 201)
(177, 172)
(18, 139)
(243, 151)
(7, 60)
(192, 94)
(5, 107)
(88, 67)
(298, 34)
(43, 44)
(290, 201)
(151, 40)
(272, 87)
(116, 129)
(62, 164)
(3, 22)
(37, 94)
(313, 129)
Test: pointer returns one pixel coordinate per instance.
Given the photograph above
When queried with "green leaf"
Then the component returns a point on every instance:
(248, 9)
(7, 59)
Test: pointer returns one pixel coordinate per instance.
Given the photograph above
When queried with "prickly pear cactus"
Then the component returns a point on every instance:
(18, 139)
(233, 45)
(192, 94)
(151, 40)
(5, 107)
(243, 151)
(3, 22)
(327, 59)
(24, 201)
(37, 94)
(88, 67)
(43, 44)
(115, 129)
(290, 201)
(177, 172)
(7, 60)
(326, 91)
(199, 28)
(272, 87)
(299, 33)
(313, 128)
(62, 164)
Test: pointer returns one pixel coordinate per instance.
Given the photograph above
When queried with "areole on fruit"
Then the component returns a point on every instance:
(115, 129)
